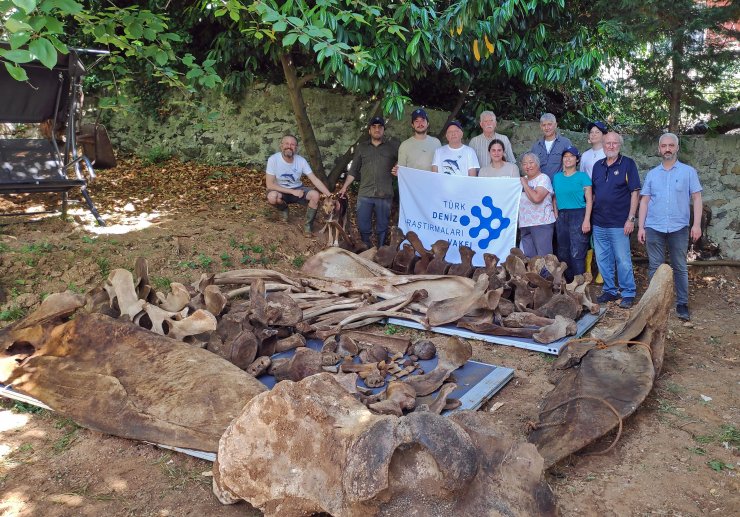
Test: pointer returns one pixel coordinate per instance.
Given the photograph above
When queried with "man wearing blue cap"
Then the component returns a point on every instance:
(596, 132)
(417, 152)
(371, 166)
(455, 158)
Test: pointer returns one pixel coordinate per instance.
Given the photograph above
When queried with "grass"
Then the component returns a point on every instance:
(727, 433)
(88, 240)
(157, 154)
(299, 261)
(68, 438)
(226, 260)
(391, 329)
(161, 282)
(180, 476)
(4, 247)
(548, 358)
(719, 466)
(665, 406)
(13, 313)
(674, 388)
(37, 248)
(22, 407)
(104, 265)
(75, 288)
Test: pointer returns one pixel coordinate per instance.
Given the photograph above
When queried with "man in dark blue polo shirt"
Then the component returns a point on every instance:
(549, 149)
(616, 187)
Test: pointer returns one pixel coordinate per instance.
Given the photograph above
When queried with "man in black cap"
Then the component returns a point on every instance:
(417, 152)
(371, 166)
(596, 132)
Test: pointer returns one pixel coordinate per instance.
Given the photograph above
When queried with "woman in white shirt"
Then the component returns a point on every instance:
(536, 214)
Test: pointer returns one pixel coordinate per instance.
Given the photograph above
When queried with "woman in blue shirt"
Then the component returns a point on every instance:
(572, 204)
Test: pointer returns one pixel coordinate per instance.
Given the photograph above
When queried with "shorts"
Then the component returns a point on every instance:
(290, 198)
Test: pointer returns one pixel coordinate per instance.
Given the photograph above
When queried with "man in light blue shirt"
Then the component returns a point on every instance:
(667, 193)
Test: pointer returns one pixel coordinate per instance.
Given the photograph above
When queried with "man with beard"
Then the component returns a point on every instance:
(283, 180)
(616, 185)
(417, 152)
(480, 143)
(372, 165)
(549, 149)
(669, 190)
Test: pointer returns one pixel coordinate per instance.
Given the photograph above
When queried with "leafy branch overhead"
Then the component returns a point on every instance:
(41, 30)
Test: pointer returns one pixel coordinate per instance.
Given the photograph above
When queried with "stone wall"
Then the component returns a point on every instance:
(220, 131)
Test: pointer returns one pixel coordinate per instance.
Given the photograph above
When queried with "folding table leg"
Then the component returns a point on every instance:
(91, 206)
(64, 205)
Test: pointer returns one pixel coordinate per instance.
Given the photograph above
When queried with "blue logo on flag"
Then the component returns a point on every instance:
(493, 224)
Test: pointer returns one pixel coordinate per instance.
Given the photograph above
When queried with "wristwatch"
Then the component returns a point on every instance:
(631, 219)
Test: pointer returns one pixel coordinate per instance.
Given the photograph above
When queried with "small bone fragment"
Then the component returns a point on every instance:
(259, 366)
(560, 305)
(197, 323)
(176, 300)
(452, 353)
(438, 405)
(394, 344)
(523, 295)
(141, 272)
(374, 354)
(559, 329)
(289, 343)
(330, 344)
(526, 319)
(400, 397)
(214, 299)
(424, 349)
(347, 346)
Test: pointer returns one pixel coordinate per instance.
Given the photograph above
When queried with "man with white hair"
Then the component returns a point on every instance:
(667, 194)
(481, 142)
(549, 149)
(616, 185)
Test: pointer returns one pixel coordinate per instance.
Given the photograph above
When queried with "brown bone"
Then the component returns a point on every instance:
(439, 265)
(465, 267)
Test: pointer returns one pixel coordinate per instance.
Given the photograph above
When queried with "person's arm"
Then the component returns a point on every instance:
(319, 184)
(587, 193)
(535, 195)
(644, 202)
(555, 206)
(473, 163)
(472, 172)
(629, 224)
(698, 207)
(354, 171)
(271, 184)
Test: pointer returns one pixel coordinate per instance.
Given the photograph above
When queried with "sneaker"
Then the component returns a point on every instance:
(284, 215)
(682, 311)
(607, 297)
(627, 302)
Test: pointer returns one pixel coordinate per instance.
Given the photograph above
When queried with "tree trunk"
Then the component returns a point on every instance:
(308, 138)
(674, 109)
(340, 165)
(456, 109)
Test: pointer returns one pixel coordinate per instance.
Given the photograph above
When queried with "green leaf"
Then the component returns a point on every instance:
(280, 26)
(19, 39)
(195, 72)
(16, 72)
(66, 6)
(43, 49)
(14, 25)
(17, 56)
(53, 25)
(26, 5)
(161, 57)
(289, 39)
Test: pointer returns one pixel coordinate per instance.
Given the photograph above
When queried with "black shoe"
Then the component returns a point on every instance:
(682, 311)
(626, 302)
(607, 297)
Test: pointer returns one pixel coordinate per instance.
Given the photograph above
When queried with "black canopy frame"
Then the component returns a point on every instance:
(52, 97)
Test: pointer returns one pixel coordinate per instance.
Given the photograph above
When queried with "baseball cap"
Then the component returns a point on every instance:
(598, 124)
(376, 120)
(419, 113)
(572, 150)
(453, 123)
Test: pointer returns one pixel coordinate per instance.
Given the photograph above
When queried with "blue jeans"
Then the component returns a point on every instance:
(365, 208)
(612, 246)
(678, 244)
(572, 242)
(536, 240)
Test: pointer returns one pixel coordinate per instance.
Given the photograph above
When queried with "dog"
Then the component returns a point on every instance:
(335, 210)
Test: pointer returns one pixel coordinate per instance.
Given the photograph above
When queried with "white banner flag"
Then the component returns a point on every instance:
(480, 213)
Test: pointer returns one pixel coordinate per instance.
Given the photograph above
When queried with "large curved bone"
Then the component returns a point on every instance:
(120, 287)
(197, 323)
(560, 328)
(452, 309)
(55, 307)
(158, 317)
(595, 382)
(342, 264)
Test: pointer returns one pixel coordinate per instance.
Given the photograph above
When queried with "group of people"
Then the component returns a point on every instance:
(574, 200)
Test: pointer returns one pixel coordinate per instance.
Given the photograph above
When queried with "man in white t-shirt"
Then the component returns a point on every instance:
(480, 143)
(417, 152)
(284, 185)
(596, 132)
(455, 158)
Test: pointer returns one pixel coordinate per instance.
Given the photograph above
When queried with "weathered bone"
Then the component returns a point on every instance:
(439, 265)
(452, 309)
(259, 366)
(465, 267)
(176, 300)
(400, 397)
(526, 319)
(404, 260)
(197, 323)
(214, 299)
(559, 329)
(158, 316)
(440, 402)
(452, 354)
(120, 287)
(386, 254)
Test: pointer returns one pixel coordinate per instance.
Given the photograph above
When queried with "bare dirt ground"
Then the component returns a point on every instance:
(678, 454)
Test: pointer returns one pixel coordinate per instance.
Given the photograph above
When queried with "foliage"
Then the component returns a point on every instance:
(671, 64)
(43, 29)
(157, 154)
(12, 313)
